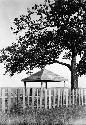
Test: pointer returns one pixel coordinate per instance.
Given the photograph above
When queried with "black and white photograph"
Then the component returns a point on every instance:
(42, 62)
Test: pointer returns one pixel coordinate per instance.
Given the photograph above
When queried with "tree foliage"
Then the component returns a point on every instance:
(46, 31)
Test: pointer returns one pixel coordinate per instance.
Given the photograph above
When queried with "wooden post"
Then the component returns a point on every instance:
(32, 98)
(37, 99)
(45, 98)
(82, 96)
(64, 94)
(3, 100)
(54, 98)
(14, 97)
(58, 96)
(24, 105)
(50, 98)
(66, 98)
(61, 96)
(0, 92)
(9, 99)
(85, 95)
(25, 87)
(18, 96)
(76, 97)
(79, 96)
(28, 93)
(73, 96)
(41, 95)
(46, 85)
(24, 95)
(69, 97)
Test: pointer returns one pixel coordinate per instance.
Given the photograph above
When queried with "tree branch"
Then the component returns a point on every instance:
(62, 63)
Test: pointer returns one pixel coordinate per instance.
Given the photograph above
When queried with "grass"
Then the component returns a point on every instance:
(44, 117)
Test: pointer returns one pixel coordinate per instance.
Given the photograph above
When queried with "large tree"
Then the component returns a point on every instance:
(44, 33)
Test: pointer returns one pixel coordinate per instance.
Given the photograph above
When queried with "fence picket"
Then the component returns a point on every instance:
(66, 98)
(3, 99)
(45, 98)
(76, 96)
(37, 99)
(63, 94)
(82, 96)
(33, 94)
(58, 97)
(28, 93)
(41, 97)
(69, 97)
(73, 97)
(24, 105)
(49, 98)
(85, 95)
(79, 96)
(54, 98)
(9, 99)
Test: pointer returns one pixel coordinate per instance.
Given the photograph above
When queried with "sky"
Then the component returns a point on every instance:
(10, 9)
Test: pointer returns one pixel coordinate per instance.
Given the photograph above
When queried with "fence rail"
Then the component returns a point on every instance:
(41, 98)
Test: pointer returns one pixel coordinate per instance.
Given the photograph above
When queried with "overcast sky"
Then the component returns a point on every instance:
(9, 9)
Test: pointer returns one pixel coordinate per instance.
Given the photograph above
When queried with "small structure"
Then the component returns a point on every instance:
(43, 76)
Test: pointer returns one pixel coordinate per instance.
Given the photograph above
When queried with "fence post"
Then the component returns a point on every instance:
(73, 97)
(50, 98)
(37, 99)
(79, 96)
(76, 95)
(9, 99)
(54, 98)
(69, 92)
(41, 96)
(3, 99)
(33, 98)
(82, 96)
(24, 104)
(45, 98)
(85, 95)
(58, 96)
(28, 93)
(66, 97)
(61, 92)
(18, 96)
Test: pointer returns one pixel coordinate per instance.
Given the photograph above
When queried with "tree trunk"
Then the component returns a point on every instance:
(74, 76)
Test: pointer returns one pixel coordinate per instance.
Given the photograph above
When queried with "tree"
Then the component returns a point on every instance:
(44, 33)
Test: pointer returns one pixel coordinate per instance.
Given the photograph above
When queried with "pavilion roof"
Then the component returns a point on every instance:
(44, 75)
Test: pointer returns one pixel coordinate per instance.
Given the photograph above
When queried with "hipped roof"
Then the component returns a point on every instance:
(44, 75)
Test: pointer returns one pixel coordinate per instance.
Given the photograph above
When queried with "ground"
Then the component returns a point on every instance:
(62, 116)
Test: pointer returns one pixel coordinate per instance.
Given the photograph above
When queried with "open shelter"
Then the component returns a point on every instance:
(43, 76)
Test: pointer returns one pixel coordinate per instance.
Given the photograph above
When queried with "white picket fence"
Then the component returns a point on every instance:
(41, 98)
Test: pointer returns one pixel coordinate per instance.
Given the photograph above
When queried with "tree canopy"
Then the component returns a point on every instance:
(44, 33)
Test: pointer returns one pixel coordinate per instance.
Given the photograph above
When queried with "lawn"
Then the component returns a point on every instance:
(62, 116)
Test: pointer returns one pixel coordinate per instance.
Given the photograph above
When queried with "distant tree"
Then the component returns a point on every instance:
(44, 33)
